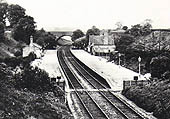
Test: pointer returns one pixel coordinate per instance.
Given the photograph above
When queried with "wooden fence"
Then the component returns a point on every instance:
(127, 84)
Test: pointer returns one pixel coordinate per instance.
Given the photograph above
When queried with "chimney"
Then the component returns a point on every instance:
(31, 44)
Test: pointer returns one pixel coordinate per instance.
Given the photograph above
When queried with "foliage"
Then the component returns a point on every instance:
(153, 98)
(148, 47)
(159, 65)
(18, 53)
(5, 71)
(33, 79)
(39, 36)
(15, 13)
(18, 104)
(2, 30)
(23, 25)
(16, 100)
(27, 60)
(92, 31)
(50, 42)
(77, 34)
(123, 42)
(18, 61)
(13, 61)
(135, 30)
(26, 105)
(45, 39)
(3, 12)
(24, 29)
(140, 30)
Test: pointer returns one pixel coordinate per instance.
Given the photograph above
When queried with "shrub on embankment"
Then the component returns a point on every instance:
(154, 97)
(26, 92)
(33, 79)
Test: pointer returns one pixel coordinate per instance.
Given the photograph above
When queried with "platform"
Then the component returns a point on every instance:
(49, 63)
(114, 74)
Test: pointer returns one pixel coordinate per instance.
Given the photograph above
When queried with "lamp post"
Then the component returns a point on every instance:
(139, 60)
(119, 59)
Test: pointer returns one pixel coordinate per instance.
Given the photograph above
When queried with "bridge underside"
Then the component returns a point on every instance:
(62, 33)
(64, 41)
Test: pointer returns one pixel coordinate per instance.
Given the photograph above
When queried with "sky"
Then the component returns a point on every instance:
(104, 14)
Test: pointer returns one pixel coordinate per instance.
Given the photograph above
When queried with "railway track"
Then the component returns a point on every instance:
(94, 80)
(67, 71)
(110, 105)
(91, 108)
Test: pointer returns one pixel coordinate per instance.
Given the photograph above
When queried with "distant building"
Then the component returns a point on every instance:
(32, 47)
(116, 34)
(103, 43)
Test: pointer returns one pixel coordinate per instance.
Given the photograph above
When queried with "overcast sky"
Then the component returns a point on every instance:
(83, 14)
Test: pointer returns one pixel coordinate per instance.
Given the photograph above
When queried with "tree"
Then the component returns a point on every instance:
(77, 34)
(15, 13)
(34, 79)
(45, 39)
(146, 29)
(159, 65)
(124, 42)
(24, 29)
(3, 12)
(2, 30)
(135, 30)
(92, 31)
(95, 30)
(49, 40)
(39, 37)
(141, 29)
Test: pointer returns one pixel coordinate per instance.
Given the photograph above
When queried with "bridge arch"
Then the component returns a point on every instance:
(64, 41)
(58, 38)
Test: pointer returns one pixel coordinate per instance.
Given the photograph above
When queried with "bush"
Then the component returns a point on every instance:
(23, 104)
(13, 61)
(153, 98)
(18, 53)
(2, 31)
(17, 61)
(33, 79)
(159, 65)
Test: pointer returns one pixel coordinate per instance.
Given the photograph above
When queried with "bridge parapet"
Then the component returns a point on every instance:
(62, 33)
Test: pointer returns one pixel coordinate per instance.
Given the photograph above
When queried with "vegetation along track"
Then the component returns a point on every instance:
(109, 104)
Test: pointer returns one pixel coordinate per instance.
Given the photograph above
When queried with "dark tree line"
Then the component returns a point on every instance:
(46, 39)
(77, 34)
(23, 26)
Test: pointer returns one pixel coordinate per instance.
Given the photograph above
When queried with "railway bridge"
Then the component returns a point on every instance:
(60, 37)
(60, 34)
